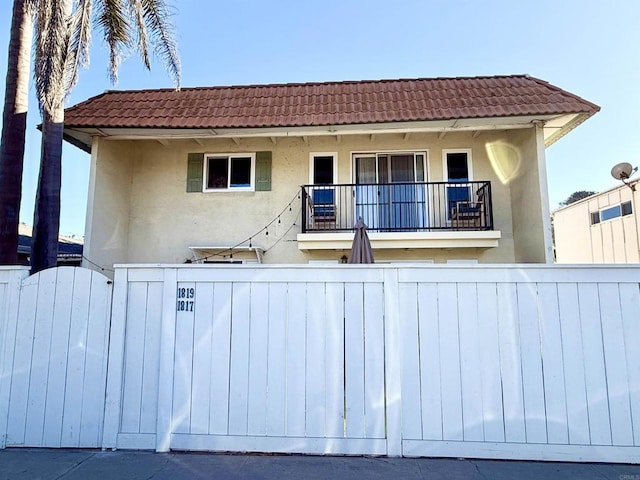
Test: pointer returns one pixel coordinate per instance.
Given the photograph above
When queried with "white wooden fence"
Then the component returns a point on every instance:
(537, 362)
(55, 331)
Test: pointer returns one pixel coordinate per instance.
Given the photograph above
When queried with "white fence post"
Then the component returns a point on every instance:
(8, 321)
(167, 348)
(393, 362)
(115, 359)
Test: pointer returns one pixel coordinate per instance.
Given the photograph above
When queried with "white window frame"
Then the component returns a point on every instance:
(230, 156)
(312, 156)
(375, 153)
(445, 166)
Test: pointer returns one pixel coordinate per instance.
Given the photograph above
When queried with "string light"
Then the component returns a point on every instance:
(265, 229)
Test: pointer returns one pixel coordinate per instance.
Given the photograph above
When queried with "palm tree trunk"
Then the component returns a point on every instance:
(46, 221)
(13, 130)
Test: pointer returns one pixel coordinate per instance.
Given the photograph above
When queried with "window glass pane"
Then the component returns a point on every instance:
(383, 168)
(365, 170)
(609, 213)
(457, 168)
(595, 218)
(323, 170)
(626, 208)
(217, 172)
(402, 168)
(420, 168)
(240, 172)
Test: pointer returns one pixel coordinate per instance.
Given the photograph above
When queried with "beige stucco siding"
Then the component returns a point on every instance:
(529, 199)
(610, 241)
(142, 212)
(108, 205)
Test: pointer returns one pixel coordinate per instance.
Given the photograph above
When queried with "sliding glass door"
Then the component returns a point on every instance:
(388, 196)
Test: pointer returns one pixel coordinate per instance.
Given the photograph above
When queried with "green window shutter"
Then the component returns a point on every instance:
(195, 165)
(263, 171)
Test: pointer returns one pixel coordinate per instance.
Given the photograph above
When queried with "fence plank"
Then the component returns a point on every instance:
(22, 362)
(430, 364)
(532, 381)
(615, 364)
(258, 360)
(166, 366)
(553, 366)
(56, 383)
(510, 363)
(574, 365)
(452, 426)
(334, 360)
(595, 375)
(374, 360)
(116, 359)
(296, 354)
(239, 377)
(471, 375)
(72, 419)
(411, 355)
(151, 359)
(220, 359)
(277, 361)
(488, 340)
(40, 358)
(183, 377)
(134, 357)
(95, 367)
(354, 359)
(630, 306)
(315, 364)
(201, 384)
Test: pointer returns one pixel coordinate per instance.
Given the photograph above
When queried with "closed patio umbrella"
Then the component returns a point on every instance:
(361, 251)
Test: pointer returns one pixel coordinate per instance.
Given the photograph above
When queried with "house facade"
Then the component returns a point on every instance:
(439, 169)
(602, 228)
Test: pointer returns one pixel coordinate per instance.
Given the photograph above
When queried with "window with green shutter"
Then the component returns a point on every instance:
(195, 167)
(263, 171)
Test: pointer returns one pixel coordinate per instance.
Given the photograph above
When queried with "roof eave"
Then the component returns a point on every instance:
(81, 136)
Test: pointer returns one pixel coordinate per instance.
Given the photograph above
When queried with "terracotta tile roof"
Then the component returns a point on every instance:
(330, 103)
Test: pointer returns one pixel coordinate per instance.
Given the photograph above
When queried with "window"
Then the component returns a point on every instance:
(322, 168)
(457, 165)
(229, 172)
(611, 212)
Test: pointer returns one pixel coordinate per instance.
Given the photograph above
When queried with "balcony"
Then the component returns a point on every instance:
(399, 215)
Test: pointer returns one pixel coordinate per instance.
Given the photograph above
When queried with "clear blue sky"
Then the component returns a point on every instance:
(588, 47)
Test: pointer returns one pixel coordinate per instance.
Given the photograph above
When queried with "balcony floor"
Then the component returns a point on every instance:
(402, 240)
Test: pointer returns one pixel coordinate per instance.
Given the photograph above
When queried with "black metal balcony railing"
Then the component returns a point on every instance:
(398, 207)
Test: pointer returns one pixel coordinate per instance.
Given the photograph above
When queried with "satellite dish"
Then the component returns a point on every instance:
(622, 171)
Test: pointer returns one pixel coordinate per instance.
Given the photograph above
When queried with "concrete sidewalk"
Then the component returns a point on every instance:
(48, 464)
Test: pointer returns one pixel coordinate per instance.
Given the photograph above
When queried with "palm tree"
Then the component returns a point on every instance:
(13, 129)
(62, 38)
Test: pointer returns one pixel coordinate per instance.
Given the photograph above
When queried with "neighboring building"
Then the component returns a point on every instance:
(602, 228)
(444, 169)
(69, 249)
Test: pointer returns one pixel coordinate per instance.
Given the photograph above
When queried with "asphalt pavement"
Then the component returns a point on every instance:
(45, 464)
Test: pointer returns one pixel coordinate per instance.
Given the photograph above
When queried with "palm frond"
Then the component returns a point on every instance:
(51, 48)
(78, 55)
(137, 12)
(111, 17)
(157, 18)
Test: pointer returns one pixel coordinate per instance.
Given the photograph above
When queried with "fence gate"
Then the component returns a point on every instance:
(56, 349)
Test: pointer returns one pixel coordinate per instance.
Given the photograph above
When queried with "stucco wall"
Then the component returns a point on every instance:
(610, 241)
(529, 198)
(142, 208)
(108, 205)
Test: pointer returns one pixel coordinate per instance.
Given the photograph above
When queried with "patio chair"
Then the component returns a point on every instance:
(468, 213)
(323, 205)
